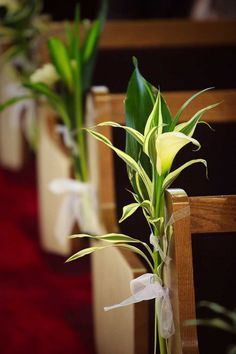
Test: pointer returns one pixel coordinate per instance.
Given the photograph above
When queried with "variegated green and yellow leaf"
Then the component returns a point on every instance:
(174, 174)
(189, 127)
(184, 106)
(133, 132)
(129, 210)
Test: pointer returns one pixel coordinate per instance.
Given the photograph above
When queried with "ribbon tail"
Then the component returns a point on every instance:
(165, 314)
(65, 221)
(147, 293)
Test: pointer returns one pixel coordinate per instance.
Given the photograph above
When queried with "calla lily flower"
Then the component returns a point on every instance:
(167, 147)
(46, 74)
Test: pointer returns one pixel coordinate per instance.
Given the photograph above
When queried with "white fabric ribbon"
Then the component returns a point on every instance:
(155, 241)
(148, 287)
(67, 138)
(26, 107)
(78, 207)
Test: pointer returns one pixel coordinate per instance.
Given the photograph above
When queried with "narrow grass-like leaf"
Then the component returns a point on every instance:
(133, 132)
(125, 157)
(14, 100)
(219, 309)
(85, 252)
(184, 106)
(173, 175)
(189, 127)
(212, 322)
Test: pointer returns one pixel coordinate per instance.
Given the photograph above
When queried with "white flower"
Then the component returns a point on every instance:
(167, 146)
(47, 75)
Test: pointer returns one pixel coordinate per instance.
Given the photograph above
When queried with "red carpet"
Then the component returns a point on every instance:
(45, 305)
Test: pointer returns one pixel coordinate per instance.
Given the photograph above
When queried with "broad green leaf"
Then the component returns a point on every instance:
(128, 210)
(174, 174)
(138, 106)
(61, 60)
(189, 127)
(185, 105)
(134, 133)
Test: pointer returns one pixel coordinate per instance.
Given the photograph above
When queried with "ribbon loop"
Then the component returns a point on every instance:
(148, 287)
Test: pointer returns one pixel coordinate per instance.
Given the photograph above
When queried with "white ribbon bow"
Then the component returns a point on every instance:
(78, 207)
(148, 287)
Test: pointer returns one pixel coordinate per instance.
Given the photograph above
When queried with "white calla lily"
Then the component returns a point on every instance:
(167, 147)
(46, 74)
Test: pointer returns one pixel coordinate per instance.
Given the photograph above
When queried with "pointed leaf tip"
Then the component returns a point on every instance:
(135, 62)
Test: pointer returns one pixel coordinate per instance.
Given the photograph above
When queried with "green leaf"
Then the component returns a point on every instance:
(173, 175)
(219, 309)
(167, 118)
(212, 322)
(90, 250)
(138, 106)
(61, 60)
(149, 146)
(134, 133)
(112, 237)
(85, 252)
(189, 127)
(155, 117)
(13, 101)
(54, 100)
(89, 50)
(128, 210)
(184, 106)
(130, 162)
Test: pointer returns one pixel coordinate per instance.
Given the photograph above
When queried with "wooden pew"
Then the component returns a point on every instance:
(213, 214)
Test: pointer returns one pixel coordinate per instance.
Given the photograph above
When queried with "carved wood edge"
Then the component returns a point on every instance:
(179, 277)
(223, 113)
(103, 111)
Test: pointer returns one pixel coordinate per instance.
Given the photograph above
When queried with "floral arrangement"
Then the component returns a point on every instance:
(20, 26)
(65, 80)
(153, 139)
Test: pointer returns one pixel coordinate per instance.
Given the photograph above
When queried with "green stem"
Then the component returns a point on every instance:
(158, 202)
